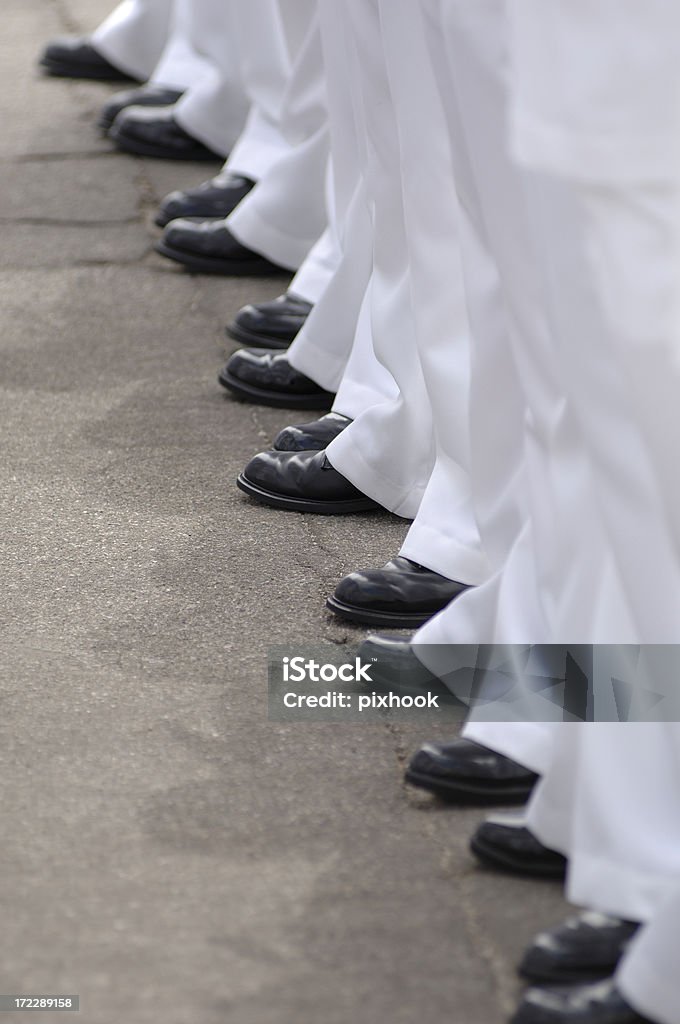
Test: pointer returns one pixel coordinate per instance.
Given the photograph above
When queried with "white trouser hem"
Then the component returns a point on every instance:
(108, 49)
(450, 559)
(347, 459)
(250, 230)
(612, 888)
(199, 129)
(317, 363)
(257, 149)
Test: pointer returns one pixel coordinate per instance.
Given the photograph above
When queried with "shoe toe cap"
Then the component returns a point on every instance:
(294, 439)
(368, 589)
(259, 471)
(428, 760)
(76, 49)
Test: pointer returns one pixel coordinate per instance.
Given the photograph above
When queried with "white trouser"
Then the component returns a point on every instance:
(134, 34)
(335, 346)
(609, 802)
(648, 974)
(246, 47)
(528, 743)
(359, 452)
(284, 216)
(419, 329)
(237, 55)
(444, 536)
(572, 570)
(181, 65)
(606, 182)
(511, 374)
(325, 344)
(318, 268)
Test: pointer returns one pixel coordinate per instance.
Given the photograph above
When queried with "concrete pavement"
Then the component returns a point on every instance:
(167, 853)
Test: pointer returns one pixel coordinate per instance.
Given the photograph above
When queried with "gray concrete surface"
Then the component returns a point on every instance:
(166, 852)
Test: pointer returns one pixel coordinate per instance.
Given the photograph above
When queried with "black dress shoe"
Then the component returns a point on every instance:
(393, 662)
(267, 378)
(601, 1003)
(145, 96)
(209, 247)
(270, 324)
(509, 846)
(153, 131)
(401, 595)
(76, 57)
(311, 437)
(464, 771)
(584, 947)
(216, 199)
(301, 482)
(395, 669)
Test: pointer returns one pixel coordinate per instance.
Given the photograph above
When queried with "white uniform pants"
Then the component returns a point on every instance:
(648, 975)
(571, 570)
(609, 802)
(419, 337)
(327, 342)
(133, 36)
(511, 376)
(285, 215)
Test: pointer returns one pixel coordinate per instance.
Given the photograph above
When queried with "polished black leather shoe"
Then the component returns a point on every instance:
(311, 437)
(508, 845)
(586, 946)
(216, 199)
(153, 131)
(466, 772)
(401, 595)
(208, 246)
(302, 482)
(601, 1003)
(270, 324)
(76, 57)
(145, 96)
(267, 378)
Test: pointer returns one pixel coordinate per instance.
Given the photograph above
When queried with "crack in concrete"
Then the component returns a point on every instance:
(484, 947)
(59, 222)
(86, 154)
(503, 978)
(147, 197)
(79, 264)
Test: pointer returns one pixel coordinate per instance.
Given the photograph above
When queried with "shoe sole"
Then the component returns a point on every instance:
(469, 792)
(162, 221)
(560, 976)
(495, 858)
(128, 145)
(321, 508)
(93, 74)
(364, 617)
(261, 396)
(210, 265)
(253, 340)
